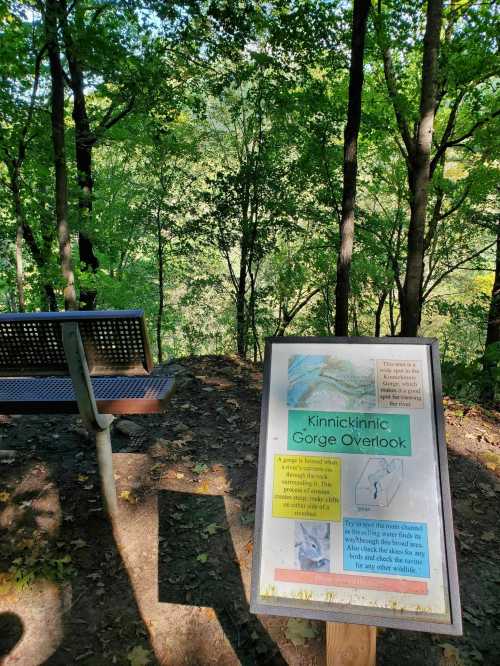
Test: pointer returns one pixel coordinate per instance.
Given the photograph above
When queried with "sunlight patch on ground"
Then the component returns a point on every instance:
(178, 633)
(40, 608)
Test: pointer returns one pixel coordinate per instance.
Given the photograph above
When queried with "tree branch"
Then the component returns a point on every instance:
(470, 132)
(109, 120)
(449, 270)
(450, 125)
(457, 204)
(392, 83)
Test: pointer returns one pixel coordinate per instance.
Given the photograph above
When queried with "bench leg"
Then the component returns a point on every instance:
(105, 462)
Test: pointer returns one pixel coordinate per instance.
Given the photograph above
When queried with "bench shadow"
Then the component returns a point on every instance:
(73, 612)
(11, 632)
(197, 566)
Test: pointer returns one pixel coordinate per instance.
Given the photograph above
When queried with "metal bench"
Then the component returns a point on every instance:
(95, 363)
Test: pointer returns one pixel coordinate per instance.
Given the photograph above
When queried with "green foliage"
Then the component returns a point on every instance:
(40, 565)
(217, 188)
(466, 381)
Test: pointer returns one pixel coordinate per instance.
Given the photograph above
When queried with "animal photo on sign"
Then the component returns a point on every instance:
(312, 546)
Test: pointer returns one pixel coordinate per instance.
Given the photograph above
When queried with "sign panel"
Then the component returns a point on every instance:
(353, 519)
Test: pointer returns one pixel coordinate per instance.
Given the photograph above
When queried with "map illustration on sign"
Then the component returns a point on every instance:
(353, 518)
(379, 482)
(329, 381)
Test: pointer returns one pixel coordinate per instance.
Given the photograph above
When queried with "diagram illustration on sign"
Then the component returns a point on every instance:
(353, 518)
(379, 482)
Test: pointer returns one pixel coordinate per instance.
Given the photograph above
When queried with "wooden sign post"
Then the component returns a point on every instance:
(350, 645)
(353, 519)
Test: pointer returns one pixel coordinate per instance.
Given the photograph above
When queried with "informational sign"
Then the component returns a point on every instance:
(353, 519)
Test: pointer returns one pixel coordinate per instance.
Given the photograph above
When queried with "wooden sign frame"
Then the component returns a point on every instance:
(347, 613)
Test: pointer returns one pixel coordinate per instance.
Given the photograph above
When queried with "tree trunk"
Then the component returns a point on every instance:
(25, 234)
(360, 15)
(161, 293)
(241, 325)
(19, 216)
(257, 354)
(419, 173)
(57, 120)
(378, 312)
(492, 346)
(392, 321)
(84, 142)
(20, 267)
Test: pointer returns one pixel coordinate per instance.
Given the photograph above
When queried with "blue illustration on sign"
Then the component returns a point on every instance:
(328, 382)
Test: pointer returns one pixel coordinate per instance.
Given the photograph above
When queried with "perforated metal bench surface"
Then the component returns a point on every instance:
(115, 343)
(114, 395)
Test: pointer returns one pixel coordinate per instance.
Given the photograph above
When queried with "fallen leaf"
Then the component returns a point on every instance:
(82, 477)
(247, 518)
(179, 475)
(490, 456)
(202, 557)
(4, 497)
(212, 528)
(487, 489)
(298, 631)
(450, 656)
(488, 536)
(78, 543)
(139, 656)
(128, 496)
(25, 544)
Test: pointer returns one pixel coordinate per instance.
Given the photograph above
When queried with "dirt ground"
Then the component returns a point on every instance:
(172, 586)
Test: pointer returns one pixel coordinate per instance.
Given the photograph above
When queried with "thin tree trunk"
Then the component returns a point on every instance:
(392, 322)
(342, 289)
(58, 142)
(378, 313)
(161, 293)
(19, 216)
(20, 267)
(257, 354)
(355, 318)
(241, 327)
(84, 142)
(419, 173)
(492, 345)
(25, 235)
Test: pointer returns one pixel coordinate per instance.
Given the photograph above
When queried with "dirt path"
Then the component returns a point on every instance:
(173, 588)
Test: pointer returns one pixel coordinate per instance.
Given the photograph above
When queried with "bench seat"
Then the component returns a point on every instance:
(113, 395)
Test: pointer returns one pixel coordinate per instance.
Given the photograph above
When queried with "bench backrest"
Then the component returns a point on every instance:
(115, 343)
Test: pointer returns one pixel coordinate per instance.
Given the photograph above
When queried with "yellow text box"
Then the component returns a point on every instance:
(306, 487)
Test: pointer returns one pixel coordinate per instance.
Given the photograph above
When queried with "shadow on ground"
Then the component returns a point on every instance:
(198, 566)
(199, 461)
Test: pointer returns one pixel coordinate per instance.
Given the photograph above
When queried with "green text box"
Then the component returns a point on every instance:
(348, 432)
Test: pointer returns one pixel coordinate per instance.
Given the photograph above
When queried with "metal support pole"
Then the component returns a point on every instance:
(105, 462)
(98, 423)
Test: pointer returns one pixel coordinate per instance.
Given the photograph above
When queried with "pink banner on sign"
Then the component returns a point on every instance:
(352, 581)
